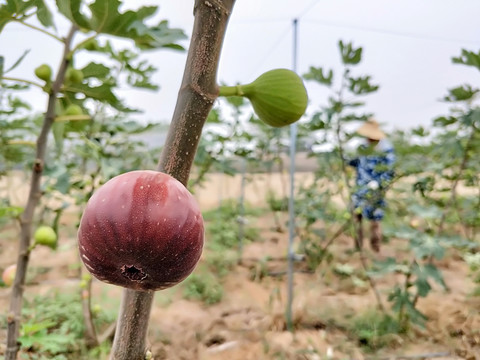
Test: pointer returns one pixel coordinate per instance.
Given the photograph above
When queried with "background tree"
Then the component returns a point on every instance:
(72, 91)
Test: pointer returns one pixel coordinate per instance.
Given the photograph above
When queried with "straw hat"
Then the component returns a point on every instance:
(371, 130)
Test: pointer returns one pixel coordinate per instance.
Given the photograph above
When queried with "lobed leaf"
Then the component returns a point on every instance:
(461, 93)
(349, 54)
(468, 58)
(361, 85)
(106, 18)
(318, 75)
(17, 10)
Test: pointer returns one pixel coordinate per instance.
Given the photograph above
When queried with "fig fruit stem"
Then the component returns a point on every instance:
(26, 219)
(196, 97)
(80, 44)
(231, 91)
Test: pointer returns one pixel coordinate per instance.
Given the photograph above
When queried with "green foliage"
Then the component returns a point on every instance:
(428, 209)
(214, 150)
(203, 286)
(375, 330)
(461, 93)
(319, 75)
(220, 256)
(326, 202)
(19, 10)
(18, 131)
(100, 81)
(418, 283)
(361, 85)
(227, 231)
(8, 212)
(313, 208)
(222, 226)
(221, 262)
(468, 58)
(277, 203)
(106, 18)
(443, 166)
(93, 140)
(350, 55)
(53, 326)
(473, 262)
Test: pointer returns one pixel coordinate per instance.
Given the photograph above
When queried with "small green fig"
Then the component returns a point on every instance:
(73, 109)
(45, 235)
(96, 309)
(91, 45)
(74, 76)
(83, 284)
(44, 72)
(8, 275)
(278, 97)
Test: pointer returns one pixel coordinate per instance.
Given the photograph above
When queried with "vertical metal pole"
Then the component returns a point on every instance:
(241, 211)
(291, 199)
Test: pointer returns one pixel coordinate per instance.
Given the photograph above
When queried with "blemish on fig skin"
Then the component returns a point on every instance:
(133, 273)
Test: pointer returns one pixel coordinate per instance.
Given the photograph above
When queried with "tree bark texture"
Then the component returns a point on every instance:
(26, 220)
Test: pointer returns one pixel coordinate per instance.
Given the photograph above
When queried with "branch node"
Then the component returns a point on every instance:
(11, 317)
(38, 166)
(218, 6)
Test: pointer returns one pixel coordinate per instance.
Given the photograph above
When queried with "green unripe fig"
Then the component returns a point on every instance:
(91, 45)
(74, 76)
(45, 235)
(96, 309)
(73, 109)
(278, 97)
(44, 72)
(83, 284)
(8, 275)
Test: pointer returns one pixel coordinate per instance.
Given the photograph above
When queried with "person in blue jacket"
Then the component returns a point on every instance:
(374, 173)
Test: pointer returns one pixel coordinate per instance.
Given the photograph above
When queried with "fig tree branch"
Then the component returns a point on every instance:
(26, 220)
(91, 339)
(39, 29)
(453, 193)
(198, 90)
(196, 96)
(23, 81)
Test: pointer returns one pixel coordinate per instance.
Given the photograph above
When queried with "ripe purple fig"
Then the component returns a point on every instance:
(142, 230)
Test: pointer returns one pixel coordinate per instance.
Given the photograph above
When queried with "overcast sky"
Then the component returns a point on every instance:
(408, 46)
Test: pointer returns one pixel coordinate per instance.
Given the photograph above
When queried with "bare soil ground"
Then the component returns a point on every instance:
(249, 322)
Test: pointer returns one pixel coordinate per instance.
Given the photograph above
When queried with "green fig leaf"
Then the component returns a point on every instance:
(107, 19)
(318, 74)
(461, 93)
(19, 60)
(17, 9)
(468, 58)
(349, 54)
